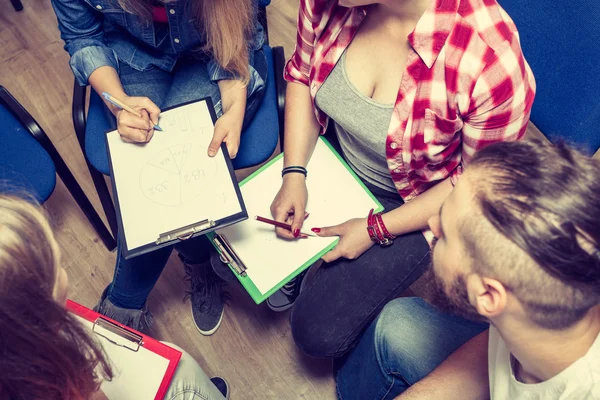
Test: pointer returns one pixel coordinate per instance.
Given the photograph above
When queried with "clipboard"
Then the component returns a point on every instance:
(112, 333)
(184, 231)
(225, 240)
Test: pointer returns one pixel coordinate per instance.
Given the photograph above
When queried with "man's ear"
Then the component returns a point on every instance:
(487, 295)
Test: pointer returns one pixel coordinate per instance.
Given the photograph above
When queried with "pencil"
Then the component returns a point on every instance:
(280, 224)
(118, 103)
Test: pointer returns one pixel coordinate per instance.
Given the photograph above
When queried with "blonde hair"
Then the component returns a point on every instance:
(47, 353)
(226, 24)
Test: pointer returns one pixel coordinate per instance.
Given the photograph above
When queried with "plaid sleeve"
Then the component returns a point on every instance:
(500, 103)
(297, 68)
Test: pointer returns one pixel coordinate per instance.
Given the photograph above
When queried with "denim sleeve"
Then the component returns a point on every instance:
(81, 28)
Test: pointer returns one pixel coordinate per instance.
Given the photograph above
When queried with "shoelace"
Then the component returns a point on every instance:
(292, 288)
(207, 284)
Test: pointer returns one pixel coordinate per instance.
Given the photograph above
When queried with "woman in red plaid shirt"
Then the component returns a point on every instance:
(410, 89)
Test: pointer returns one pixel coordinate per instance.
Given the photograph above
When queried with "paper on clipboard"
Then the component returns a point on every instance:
(134, 356)
(335, 195)
(137, 374)
(171, 182)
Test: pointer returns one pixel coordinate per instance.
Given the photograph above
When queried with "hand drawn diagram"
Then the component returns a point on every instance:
(177, 174)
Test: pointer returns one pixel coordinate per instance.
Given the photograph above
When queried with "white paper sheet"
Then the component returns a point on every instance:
(137, 375)
(334, 196)
(171, 182)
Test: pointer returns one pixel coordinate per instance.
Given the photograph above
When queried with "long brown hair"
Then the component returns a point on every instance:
(45, 353)
(226, 24)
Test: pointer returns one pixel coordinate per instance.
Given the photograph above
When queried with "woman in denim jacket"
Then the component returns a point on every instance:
(154, 55)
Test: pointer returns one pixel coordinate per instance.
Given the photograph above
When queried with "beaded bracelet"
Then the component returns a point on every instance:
(294, 168)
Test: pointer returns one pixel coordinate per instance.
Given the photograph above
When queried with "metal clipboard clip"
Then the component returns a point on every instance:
(116, 335)
(185, 232)
(228, 255)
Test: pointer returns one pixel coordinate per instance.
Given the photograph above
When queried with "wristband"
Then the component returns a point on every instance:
(377, 230)
(386, 233)
(370, 226)
(294, 169)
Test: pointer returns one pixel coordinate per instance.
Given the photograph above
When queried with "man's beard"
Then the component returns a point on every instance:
(452, 298)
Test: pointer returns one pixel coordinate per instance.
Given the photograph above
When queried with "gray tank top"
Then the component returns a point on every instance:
(361, 126)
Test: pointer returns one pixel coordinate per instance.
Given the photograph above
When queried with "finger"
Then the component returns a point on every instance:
(328, 231)
(150, 131)
(280, 215)
(132, 134)
(133, 121)
(284, 233)
(333, 255)
(298, 219)
(216, 141)
(151, 108)
(290, 218)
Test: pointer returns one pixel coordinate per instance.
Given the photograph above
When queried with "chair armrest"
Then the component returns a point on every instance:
(78, 111)
(280, 86)
(25, 119)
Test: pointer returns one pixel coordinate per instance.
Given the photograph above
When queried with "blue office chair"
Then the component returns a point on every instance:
(29, 162)
(558, 40)
(257, 144)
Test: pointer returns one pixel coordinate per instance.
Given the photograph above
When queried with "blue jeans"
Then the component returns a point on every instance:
(406, 342)
(134, 278)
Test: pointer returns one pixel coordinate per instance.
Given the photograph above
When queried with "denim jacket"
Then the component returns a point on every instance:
(100, 33)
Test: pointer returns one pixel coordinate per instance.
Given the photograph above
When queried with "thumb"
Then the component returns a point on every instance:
(328, 231)
(333, 255)
(152, 109)
(216, 141)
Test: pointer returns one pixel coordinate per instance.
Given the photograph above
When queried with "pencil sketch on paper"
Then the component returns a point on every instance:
(178, 120)
(177, 174)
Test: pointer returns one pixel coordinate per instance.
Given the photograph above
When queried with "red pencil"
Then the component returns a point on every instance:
(280, 225)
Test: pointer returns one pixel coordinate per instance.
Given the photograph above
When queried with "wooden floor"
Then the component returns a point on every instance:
(253, 348)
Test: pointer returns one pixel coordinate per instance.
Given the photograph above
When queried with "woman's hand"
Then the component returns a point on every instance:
(354, 239)
(228, 129)
(289, 205)
(133, 128)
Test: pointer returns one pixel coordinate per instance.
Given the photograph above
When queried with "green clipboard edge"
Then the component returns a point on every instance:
(246, 282)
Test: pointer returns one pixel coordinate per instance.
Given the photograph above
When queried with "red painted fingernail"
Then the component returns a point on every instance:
(296, 232)
(303, 236)
(316, 230)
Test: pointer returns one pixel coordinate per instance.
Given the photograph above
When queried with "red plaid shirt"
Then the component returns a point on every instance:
(465, 85)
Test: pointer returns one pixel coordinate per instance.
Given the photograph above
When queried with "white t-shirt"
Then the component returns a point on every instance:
(580, 381)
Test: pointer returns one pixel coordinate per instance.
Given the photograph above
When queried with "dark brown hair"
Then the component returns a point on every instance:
(226, 25)
(544, 201)
(45, 353)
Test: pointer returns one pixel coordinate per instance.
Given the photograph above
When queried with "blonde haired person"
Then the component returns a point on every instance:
(46, 353)
(152, 55)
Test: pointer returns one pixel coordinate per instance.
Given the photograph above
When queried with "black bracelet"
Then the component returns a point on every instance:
(294, 168)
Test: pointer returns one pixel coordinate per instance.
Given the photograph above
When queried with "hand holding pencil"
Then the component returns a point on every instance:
(137, 119)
